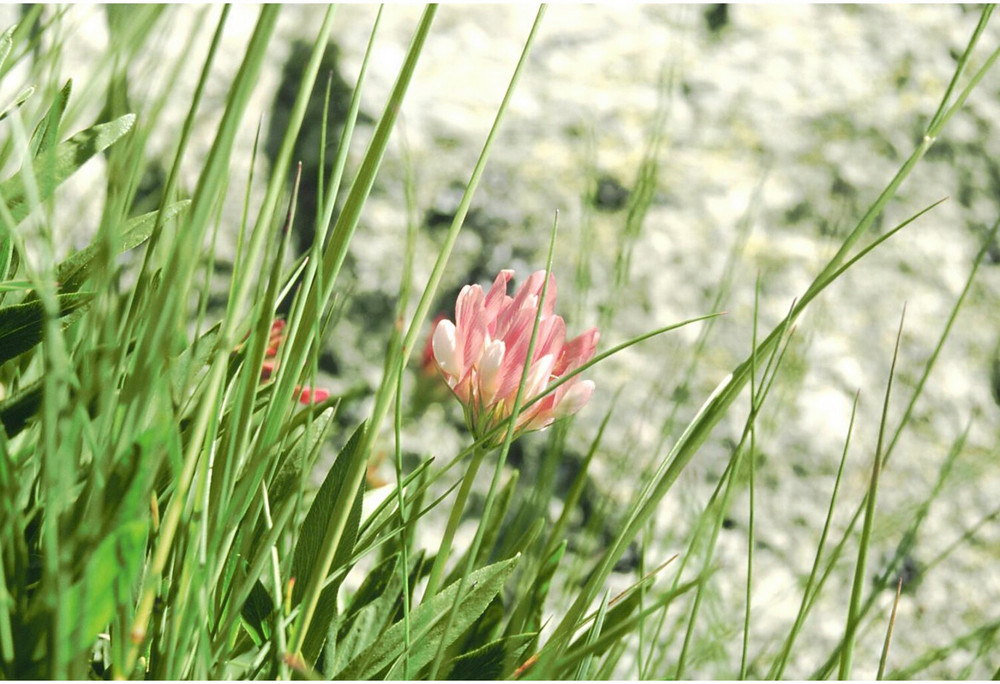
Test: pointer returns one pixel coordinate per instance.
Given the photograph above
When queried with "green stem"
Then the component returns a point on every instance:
(437, 570)
(331, 264)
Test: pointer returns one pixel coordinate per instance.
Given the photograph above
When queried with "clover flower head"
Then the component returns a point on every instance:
(305, 395)
(482, 355)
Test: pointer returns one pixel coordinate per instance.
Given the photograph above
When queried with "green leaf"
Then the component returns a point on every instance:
(375, 586)
(21, 324)
(17, 409)
(617, 627)
(493, 525)
(484, 630)
(106, 583)
(371, 609)
(615, 617)
(129, 27)
(69, 156)
(194, 358)
(534, 602)
(487, 662)
(365, 627)
(427, 624)
(72, 272)
(6, 42)
(18, 100)
(6, 254)
(256, 611)
(46, 133)
(310, 543)
(15, 285)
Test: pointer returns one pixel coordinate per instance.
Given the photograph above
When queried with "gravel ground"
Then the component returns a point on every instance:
(776, 126)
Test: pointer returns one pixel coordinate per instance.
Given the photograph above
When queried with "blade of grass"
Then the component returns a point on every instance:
(778, 668)
(212, 182)
(137, 295)
(629, 625)
(888, 633)
(922, 662)
(694, 435)
(583, 668)
(333, 257)
(907, 413)
(406, 283)
(853, 610)
(718, 504)
(753, 455)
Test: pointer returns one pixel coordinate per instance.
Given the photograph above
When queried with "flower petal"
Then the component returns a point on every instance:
(578, 351)
(311, 395)
(489, 372)
(532, 287)
(574, 399)
(446, 352)
(497, 296)
(538, 376)
(551, 337)
(470, 326)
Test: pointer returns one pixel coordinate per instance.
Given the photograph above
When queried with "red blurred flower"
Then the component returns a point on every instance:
(305, 395)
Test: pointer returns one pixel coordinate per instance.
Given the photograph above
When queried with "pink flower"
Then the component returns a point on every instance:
(309, 395)
(276, 338)
(428, 365)
(482, 355)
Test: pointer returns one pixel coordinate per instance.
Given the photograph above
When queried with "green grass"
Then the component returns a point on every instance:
(160, 515)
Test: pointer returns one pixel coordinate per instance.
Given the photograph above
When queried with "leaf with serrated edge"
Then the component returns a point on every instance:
(429, 620)
(311, 540)
(487, 662)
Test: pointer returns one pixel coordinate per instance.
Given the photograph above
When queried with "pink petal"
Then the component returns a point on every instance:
(574, 399)
(427, 357)
(532, 287)
(527, 299)
(551, 337)
(310, 395)
(538, 376)
(497, 296)
(577, 352)
(516, 342)
(470, 326)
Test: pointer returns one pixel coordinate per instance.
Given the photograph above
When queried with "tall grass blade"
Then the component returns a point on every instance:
(888, 632)
(853, 611)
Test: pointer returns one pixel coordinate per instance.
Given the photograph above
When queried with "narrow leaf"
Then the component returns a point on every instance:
(69, 156)
(72, 272)
(106, 582)
(6, 41)
(256, 611)
(307, 549)
(371, 609)
(18, 100)
(46, 133)
(21, 324)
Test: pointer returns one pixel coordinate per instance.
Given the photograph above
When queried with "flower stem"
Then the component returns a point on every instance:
(434, 580)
